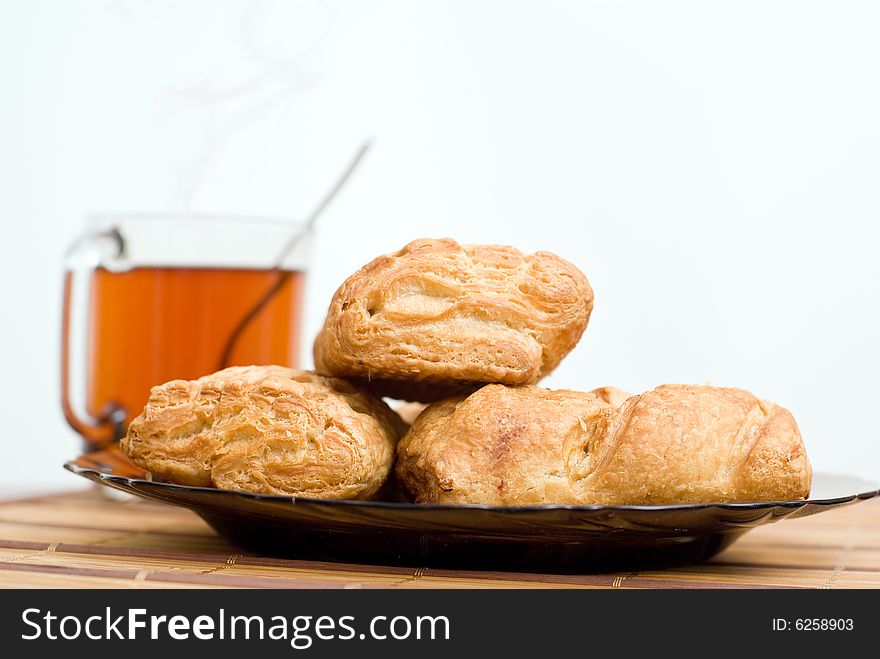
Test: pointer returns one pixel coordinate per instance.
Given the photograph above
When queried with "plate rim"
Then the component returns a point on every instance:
(93, 474)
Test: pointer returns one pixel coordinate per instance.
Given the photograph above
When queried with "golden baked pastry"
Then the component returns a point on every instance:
(266, 429)
(510, 446)
(438, 318)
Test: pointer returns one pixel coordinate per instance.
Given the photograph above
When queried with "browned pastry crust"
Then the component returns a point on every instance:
(437, 319)
(513, 446)
(266, 429)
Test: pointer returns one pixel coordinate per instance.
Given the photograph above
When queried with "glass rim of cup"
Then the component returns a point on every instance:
(106, 217)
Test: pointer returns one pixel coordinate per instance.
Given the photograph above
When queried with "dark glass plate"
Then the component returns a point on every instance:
(533, 538)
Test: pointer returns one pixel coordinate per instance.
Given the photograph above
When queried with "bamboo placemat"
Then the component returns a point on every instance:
(86, 540)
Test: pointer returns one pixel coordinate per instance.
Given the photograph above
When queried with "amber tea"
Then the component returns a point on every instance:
(149, 325)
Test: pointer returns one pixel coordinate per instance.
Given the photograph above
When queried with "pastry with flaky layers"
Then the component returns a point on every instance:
(438, 318)
(267, 429)
(511, 446)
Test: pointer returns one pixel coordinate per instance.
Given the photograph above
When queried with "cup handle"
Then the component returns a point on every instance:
(81, 259)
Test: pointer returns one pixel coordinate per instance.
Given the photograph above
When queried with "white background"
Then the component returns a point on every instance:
(712, 167)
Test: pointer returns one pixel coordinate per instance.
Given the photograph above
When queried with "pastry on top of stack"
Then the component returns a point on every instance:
(436, 319)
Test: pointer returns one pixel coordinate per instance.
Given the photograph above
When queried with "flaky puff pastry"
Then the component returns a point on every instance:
(266, 429)
(438, 318)
(511, 446)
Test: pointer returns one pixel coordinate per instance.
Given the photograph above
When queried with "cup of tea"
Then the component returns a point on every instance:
(150, 298)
